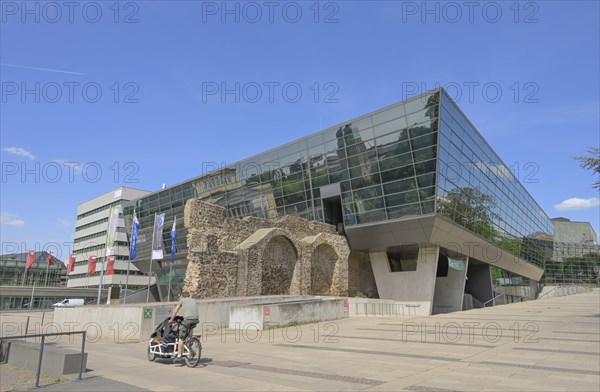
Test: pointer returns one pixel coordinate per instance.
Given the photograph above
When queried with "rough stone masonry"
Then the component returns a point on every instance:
(254, 256)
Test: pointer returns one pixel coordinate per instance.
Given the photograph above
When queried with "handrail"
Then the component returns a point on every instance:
(498, 296)
(43, 336)
(542, 296)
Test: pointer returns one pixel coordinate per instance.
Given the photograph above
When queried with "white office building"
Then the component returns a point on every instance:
(89, 239)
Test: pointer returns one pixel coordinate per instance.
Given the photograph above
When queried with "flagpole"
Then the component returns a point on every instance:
(32, 293)
(47, 268)
(101, 275)
(170, 277)
(150, 271)
(128, 265)
(149, 277)
(173, 250)
(111, 234)
(131, 245)
(46, 280)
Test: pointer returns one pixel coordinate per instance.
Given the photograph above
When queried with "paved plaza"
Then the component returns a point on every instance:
(546, 345)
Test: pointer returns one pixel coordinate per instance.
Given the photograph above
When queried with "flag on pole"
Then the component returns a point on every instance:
(30, 259)
(50, 261)
(72, 259)
(173, 242)
(111, 233)
(157, 240)
(110, 265)
(92, 265)
(135, 228)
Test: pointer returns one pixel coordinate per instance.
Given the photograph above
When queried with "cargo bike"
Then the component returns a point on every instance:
(164, 342)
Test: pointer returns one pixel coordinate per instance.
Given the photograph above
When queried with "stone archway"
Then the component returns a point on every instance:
(279, 259)
(323, 261)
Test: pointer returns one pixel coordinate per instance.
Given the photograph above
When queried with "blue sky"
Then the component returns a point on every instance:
(142, 102)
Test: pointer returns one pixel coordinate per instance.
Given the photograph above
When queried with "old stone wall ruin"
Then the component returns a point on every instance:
(254, 256)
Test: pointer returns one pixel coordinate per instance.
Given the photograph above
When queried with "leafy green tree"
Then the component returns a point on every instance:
(592, 163)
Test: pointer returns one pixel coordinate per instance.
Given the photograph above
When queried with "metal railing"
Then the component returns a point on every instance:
(562, 290)
(43, 336)
(512, 297)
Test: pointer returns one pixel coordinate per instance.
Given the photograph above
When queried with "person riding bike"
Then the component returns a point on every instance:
(189, 312)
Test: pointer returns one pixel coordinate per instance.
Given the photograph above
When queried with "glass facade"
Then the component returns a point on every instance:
(12, 273)
(385, 163)
(415, 158)
(479, 192)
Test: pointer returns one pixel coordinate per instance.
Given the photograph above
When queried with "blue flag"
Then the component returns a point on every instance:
(173, 242)
(135, 228)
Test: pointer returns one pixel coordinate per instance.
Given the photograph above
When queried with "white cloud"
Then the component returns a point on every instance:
(10, 220)
(19, 152)
(76, 166)
(576, 204)
(65, 222)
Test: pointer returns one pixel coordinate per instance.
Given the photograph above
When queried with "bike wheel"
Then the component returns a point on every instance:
(194, 348)
(151, 355)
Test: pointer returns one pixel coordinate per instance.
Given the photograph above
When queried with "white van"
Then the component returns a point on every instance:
(69, 303)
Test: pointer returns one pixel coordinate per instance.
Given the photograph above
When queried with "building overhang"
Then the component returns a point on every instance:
(437, 230)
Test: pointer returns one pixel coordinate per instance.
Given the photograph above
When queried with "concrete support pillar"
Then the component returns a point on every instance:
(415, 288)
(449, 290)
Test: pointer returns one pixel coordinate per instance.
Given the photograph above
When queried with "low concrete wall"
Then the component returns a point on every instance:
(56, 361)
(359, 307)
(118, 323)
(128, 323)
(273, 315)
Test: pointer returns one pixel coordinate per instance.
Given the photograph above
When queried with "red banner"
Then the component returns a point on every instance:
(30, 259)
(110, 265)
(72, 259)
(92, 265)
(50, 261)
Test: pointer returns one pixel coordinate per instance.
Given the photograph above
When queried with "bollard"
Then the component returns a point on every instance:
(81, 359)
(43, 315)
(39, 368)
(27, 325)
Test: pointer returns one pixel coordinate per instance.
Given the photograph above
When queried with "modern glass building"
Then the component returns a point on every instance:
(398, 182)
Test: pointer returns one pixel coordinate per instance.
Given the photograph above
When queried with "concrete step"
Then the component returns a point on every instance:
(56, 361)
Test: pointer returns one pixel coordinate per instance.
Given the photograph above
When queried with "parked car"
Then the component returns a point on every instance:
(69, 303)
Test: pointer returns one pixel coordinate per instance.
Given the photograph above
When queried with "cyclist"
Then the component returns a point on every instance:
(189, 312)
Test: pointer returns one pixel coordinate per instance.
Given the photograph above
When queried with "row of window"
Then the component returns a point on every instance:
(94, 223)
(117, 272)
(100, 260)
(99, 246)
(96, 210)
(89, 237)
